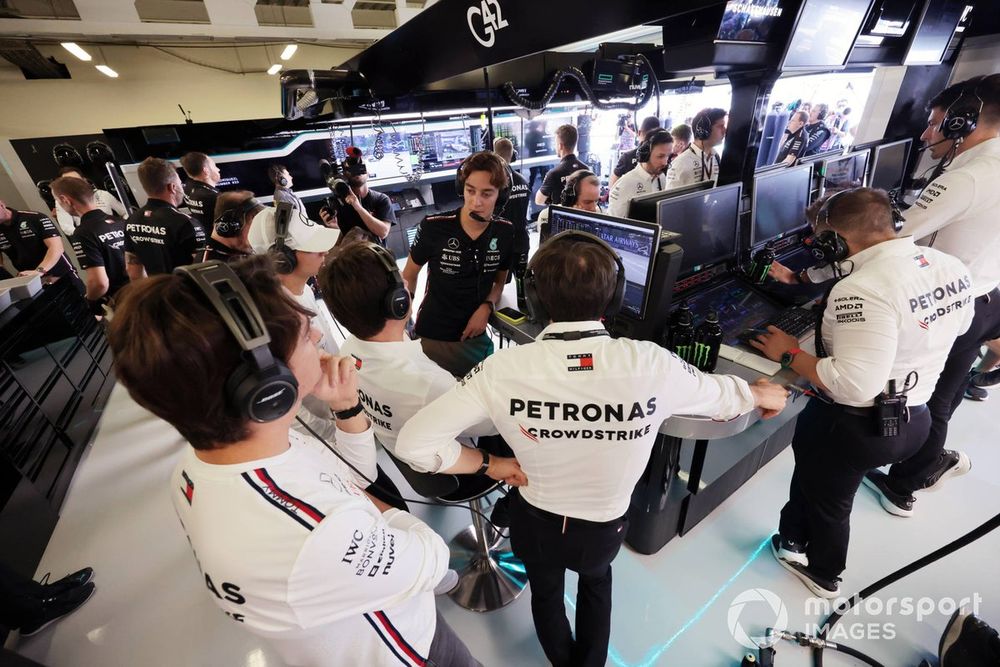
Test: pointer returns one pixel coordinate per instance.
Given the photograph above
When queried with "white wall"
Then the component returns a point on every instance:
(150, 86)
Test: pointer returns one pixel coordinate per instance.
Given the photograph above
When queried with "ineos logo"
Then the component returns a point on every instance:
(485, 20)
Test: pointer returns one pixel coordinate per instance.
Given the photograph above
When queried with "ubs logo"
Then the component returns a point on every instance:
(452, 244)
(485, 20)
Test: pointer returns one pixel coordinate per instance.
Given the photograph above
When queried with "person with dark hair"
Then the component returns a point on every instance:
(817, 130)
(99, 241)
(264, 507)
(158, 237)
(884, 333)
(796, 139)
(103, 200)
(581, 411)
(364, 208)
(628, 160)
(32, 243)
(231, 240)
(682, 139)
(700, 162)
(283, 182)
(469, 252)
(516, 210)
(647, 176)
(200, 192)
(552, 185)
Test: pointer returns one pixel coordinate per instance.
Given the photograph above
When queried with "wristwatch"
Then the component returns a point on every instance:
(493, 306)
(41, 269)
(486, 462)
(350, 412)
(788, 357)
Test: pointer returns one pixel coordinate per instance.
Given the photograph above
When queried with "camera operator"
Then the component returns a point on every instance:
(158, 237)
(881, 344)
(199, 190)
(362, 207)
(469, 252)
(653, 155)
(582, 438)
(700, 162)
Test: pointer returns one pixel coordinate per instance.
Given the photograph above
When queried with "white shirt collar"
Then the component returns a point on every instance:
(990, 147)
(644, 176)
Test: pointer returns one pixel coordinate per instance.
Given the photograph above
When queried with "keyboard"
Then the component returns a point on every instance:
(793, 321)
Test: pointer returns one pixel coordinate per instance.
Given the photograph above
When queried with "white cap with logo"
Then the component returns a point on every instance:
(303, 234)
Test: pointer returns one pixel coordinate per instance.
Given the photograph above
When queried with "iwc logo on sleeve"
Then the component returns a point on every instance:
(484, 21)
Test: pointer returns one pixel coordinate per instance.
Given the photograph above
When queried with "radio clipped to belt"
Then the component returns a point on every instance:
(890, 408)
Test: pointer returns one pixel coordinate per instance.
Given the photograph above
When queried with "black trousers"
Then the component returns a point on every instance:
(913, 473)
(548, 548)
(447, 649)
(833, 451)
(386, 490)
(20, 599)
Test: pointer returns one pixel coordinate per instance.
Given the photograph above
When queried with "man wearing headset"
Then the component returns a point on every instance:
(290, 545)
(582, 191)
(628, 160)
(700, 162)
(469, 252)
(647, 176)
(236, 213)
(200, 192)
(956, 214)
(363, 208)
(581, 411)
(158, 237)
(282, 179)
(881, 343)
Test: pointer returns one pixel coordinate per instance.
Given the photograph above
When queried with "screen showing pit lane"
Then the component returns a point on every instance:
(636, 243)
(780, 199)
(707, 222)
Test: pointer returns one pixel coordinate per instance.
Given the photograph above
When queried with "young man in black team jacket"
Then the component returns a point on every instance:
(469, 252)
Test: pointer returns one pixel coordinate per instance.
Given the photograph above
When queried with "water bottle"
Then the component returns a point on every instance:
(668, 333)
(707, 340)
(761, 264)
(682, 338)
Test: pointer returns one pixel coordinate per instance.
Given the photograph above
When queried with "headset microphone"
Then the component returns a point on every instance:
(475, 216)
(923, 148)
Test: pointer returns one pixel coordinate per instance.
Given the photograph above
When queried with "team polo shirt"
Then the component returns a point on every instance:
(555, 178)
(376, 203)
(461, 271)
(163, 238)
(22, 239)
(795, 143)
(103, 200)
(899, 310)
(627, 162)
(321, 320)
(200, 199)
(633, 184)
(99, 241)
(516, 210)
(291, 548)
(693, 166)
(580, 415)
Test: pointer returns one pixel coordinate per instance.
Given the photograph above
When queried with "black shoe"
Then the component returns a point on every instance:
(793, 552)
(968, 642)
(818, 586)
(78, 578)
(953, 464)
(55, 608)
(986, 380)
(894, 503)
(974, 393)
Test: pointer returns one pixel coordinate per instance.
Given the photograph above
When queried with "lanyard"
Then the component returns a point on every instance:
(575, 335)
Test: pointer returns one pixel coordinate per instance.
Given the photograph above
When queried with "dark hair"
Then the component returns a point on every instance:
(865, 212)
(713, 114)
(229, 199)
(987, 88)
(656, 138)
(70, 170)
(354, 282)
(155, 174)
(504, 147)
(567, 136)
(487, 161)
(649, 123)
(821, 111)
(173, 352)
(76, 189)
(194, 163)
(682, 132)
(274, 172)
(801, 115)
(575, 280)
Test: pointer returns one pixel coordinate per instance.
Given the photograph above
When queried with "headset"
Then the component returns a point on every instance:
(276, 176)
(569, 191)
(502, 195)
(828, 246)
(230, 223)
(285, 259)
(701, 127)
(961, 117)
(645, 149)
(45, 192)
(67, 156)
(396, 300)
(261, 388)
(537, 309)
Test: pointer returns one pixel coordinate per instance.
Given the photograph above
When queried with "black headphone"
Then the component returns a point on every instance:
(261, 388)
(961, 117)
(45, 192)
(828, 246)
(282, 181)
(569, 191)
(645, 149)
(229, 224)
(502, 196)
(67, 156)
(701, 127)
(396, 300)
(285, 259)
(538, 311)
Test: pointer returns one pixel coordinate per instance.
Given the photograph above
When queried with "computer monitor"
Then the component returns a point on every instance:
(707, 222)
(636, 242)
(645, 207)
(845, 172)
(888, 164)
(779, 203)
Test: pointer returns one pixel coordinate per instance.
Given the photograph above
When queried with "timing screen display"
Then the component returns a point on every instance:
(887, 171)
(707, 223)
(780, 199)
(739, 308)
(634, 243)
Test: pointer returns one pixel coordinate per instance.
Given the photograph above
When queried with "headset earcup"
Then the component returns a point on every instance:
(618, 298)
(262, 397)
(397, 304)
(536, 309)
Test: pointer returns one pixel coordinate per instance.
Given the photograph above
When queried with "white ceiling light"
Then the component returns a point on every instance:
(274, 69)
(76, 51)
(289, 51)
(107, 71)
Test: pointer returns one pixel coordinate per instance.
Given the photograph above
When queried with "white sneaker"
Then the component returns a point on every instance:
(447, 584)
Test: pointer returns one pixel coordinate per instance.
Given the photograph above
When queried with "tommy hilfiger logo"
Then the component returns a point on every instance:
(923, 324)
(921, 261)
(357, 362)
(188, 491)
(580, 362)
(527, 434)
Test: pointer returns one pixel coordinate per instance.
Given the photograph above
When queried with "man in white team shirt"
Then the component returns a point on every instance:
(581, 412)
(700, 162)
(653, 156)
(288, 543)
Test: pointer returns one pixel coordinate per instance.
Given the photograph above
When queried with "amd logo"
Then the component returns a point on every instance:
(485, 20)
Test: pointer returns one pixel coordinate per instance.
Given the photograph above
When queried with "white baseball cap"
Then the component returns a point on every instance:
(303, 234)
